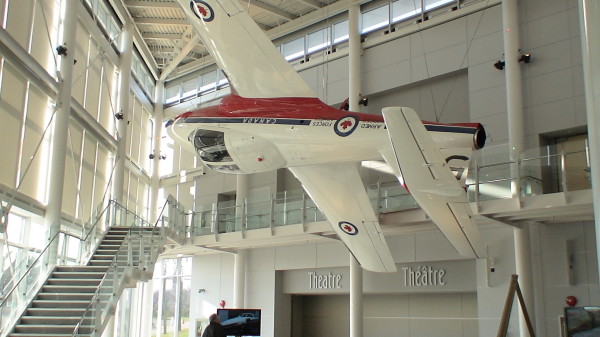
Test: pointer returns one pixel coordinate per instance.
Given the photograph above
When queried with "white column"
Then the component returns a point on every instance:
(589, 12)
(61, 128)
(158, 123)
(356, 272)
(514, 88)
(524, 270)
(516, 139)
(242, 192)
(146, 315)
(125, 69)
(356, 298)
(109, 330)
(239, 279)
(354, 77)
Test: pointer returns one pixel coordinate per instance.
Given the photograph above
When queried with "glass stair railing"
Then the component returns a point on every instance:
(133, 258)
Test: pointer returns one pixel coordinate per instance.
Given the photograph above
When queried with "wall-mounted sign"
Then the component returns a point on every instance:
(324, 281)
(423, 276)
(432, 276)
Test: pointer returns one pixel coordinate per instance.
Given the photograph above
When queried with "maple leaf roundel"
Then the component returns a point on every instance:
(202, 10)
(344, 126)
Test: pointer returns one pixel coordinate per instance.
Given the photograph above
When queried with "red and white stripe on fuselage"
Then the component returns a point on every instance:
(301, 111)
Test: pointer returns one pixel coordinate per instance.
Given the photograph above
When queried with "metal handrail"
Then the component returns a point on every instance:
(96, 221)
(29, 269)
(112, 265)
(127, 211)
(97, 293)
(553, 155)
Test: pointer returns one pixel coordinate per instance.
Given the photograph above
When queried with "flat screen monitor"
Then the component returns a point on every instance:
(240, 322)
(582, 321)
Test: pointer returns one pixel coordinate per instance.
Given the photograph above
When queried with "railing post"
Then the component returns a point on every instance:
(477, 169)
(141, 258)
(272, 215)
(285, 202)
(563, 174)
(519, 182)
(97, 316)
(129, 250)
(215, 220)
(378, 198)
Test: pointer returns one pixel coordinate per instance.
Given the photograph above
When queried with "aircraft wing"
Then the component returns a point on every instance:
(338, 191)
(430, 181)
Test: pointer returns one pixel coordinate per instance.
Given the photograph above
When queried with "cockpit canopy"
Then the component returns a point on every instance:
(210, 146)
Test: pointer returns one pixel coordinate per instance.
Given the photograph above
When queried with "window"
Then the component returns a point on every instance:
(404, 9)
(375, 19)
(172, 94)
(293, 49)
(433, 4)
(340, 32)
(208, 81)
(318, 40)
(171, 300)
(190, 87)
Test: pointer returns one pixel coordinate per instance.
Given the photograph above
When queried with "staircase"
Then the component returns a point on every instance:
(83, 295)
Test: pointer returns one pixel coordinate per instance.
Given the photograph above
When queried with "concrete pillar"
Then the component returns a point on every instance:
(516, 140)
(356, 298)
(158, 123)
(589, 13)
(56, 176)
(125, 68)
(239, 279)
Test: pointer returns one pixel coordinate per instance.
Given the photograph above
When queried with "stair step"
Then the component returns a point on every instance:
(50, 296)
(49, 329)
(69, 304)
(102, 262)
(81, 269)
(25, 334)
(54, 320)
(46, 312)
(68, 289)
(77, 275)
(103, 257)
(106, 250)
(78, 282)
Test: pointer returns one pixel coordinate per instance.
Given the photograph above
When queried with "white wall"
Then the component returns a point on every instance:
(215, 274)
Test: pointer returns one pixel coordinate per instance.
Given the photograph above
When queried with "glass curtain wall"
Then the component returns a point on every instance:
(171, 298)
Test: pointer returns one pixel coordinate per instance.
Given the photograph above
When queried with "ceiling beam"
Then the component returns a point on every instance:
(151, 4)
(161, 36)
(160, 21)
(274, 10)
(312, 3)
(124, 16)
(179, 57)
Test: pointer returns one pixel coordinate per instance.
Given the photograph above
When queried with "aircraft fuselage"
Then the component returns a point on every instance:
(251, 135)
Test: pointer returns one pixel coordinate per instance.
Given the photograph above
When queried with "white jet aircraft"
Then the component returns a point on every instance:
(273, 120)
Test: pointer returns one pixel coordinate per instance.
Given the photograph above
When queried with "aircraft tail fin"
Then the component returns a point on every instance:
(254, 67)
(430, 180)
